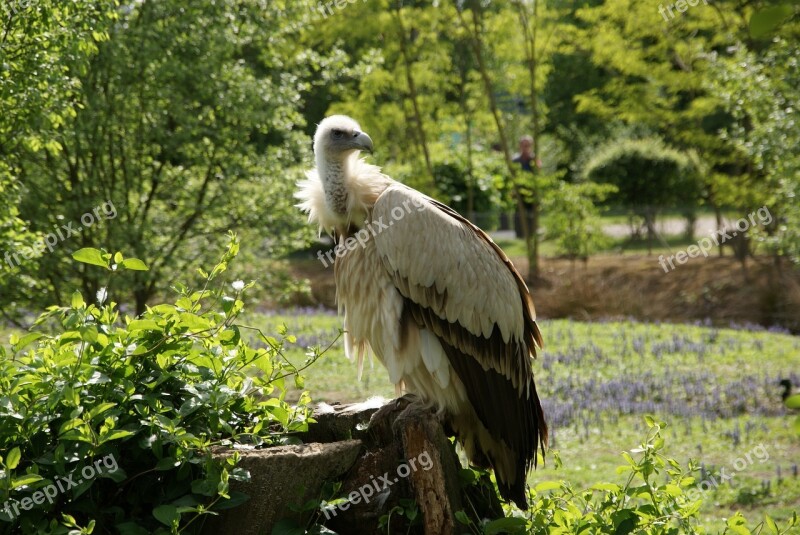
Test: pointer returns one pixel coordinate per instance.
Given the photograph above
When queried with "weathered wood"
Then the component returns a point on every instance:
(435, 489)
(407, 447)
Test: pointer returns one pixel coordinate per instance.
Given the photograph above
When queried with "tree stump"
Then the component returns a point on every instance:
(385, 459)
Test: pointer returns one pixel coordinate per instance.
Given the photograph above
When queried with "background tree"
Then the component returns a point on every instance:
(186, 126)
(43, 46)
(761, 91)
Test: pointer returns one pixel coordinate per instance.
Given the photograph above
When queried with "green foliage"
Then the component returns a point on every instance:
(15, 237)
(762, 92)
(181, 117)
(36, 91)
(574, 223)
(148, 397)
(659, 496)
(645, 172)
(408, 510)
(793, 403)
(648, 176)
(45, 44)
(767, 19)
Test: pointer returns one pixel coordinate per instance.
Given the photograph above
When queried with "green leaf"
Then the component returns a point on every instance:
(771, 525)
(13, 458)
(21, 343)
(117, 476)
(90, 255)
(77, 300)
(100, 409)
(27, 479)
(547, 485)
(195, 322)
(236, 499)
(462, 517)
(167, 463)
(116, 434)
(626, 526)
(134, 264)
(143, 325)
(737, 524)
(766, 20)
(89, 334)
(609, 487)
(166, 514)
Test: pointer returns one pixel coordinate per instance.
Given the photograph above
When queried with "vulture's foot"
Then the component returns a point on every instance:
(413, 408)
(405, 401)
(397, 412)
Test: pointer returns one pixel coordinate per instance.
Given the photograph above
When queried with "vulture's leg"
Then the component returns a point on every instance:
(405, 401)
(399, 411)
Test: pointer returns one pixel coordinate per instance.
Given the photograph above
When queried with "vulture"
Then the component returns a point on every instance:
(435, 300)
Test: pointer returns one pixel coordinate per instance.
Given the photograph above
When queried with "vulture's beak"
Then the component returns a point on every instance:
(362, 141)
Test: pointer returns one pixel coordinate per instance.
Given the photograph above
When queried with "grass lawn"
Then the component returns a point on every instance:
(716, 388)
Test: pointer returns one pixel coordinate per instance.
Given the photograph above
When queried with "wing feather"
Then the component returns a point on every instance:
(440, 261)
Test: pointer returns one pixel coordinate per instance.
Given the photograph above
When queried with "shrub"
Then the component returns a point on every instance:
(453, 181)
(108, 424)
(658, 497)
(648, 175)
(574, 222)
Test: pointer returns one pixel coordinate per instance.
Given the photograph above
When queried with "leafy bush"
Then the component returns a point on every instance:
(658, 497)
(648, 175)
(574, 218)
(108, 425)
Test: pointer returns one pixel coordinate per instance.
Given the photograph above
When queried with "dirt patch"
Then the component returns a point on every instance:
(711, 289)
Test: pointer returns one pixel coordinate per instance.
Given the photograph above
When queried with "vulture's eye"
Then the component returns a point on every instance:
(338, 134)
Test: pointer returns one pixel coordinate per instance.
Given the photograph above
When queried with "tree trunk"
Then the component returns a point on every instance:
(530, 34)
(141, 296)
(413, 95)
(477, 49)
(718, 215)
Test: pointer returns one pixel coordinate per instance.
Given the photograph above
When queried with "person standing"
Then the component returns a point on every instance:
(526, 159)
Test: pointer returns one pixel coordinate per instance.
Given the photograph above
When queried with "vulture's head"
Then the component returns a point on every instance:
(338, 136)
